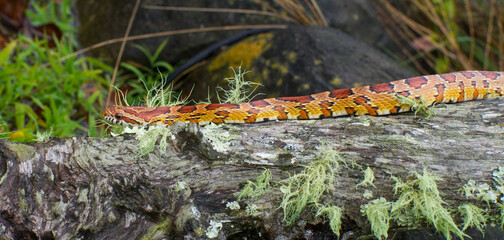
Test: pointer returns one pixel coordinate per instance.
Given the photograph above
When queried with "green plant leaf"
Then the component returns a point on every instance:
(158, 51)
(134, 69)
(5, 53)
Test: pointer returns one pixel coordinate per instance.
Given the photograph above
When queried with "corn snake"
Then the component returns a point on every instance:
(378, 99)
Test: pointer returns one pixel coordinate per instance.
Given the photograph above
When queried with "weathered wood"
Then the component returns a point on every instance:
(95, 188)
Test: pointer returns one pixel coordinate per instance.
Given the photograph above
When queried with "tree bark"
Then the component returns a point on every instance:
(95, 188)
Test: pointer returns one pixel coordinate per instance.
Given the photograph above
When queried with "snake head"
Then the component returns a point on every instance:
(120, 115)
(113, 115)
(128, 115)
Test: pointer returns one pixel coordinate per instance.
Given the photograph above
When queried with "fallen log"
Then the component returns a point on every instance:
(98, 188)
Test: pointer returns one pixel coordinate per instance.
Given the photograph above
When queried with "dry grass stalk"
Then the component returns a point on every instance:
(447, 35)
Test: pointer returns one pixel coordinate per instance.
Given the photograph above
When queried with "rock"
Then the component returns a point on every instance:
(299, 60)
(99, 21)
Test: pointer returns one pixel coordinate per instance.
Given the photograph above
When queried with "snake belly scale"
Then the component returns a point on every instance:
(378, 99)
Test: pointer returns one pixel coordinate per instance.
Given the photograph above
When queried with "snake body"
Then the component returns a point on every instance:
(378, 99)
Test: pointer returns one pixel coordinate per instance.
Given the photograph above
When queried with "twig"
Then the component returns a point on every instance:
(223, 10)
(167, 33)
(489, 34)
(121, 50)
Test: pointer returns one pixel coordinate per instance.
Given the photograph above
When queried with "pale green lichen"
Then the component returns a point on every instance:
(473, 216)
(43, 136)
(420, 199)
(481, 191)
(218, 138)
(469, 188)
(181, 185)
(417, 105)
(368, 194)
(149, 137)
(377, 212)
(256, 188)
(368, 178)
(306, 188)
(158, 97)
(83, 195)
(214, 229)
(485, 192)
(234, 205)
(364, 121)
(490, 194)
(251, 209)
(501, 216)
(239, 90)
(58, 209)
(111, 217)
(333, 213)
(498, 176)
(22, 202)
(39, 197)
(498, 181)
(159, 230)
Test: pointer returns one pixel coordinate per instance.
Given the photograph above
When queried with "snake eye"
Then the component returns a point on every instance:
(118, 116)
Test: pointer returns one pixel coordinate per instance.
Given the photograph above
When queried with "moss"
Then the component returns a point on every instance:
(419, 199)
(377, 212)
(257, 188)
